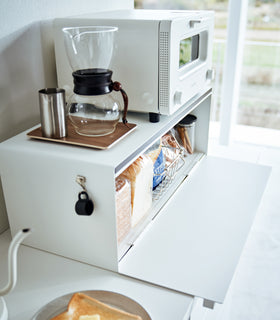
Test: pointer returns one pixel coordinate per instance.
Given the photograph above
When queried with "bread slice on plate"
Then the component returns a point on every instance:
(83, 307)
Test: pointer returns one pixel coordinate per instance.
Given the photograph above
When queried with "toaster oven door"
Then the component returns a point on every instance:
(190, 60)
(194, 244)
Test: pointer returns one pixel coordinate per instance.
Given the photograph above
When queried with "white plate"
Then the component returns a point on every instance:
(113, 299)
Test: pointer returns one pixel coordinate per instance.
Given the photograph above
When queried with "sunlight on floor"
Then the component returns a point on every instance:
(248, 134)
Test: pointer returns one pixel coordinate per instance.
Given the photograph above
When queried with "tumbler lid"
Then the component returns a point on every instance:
(188, 120)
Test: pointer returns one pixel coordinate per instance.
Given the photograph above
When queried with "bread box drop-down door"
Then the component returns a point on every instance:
(194, 245)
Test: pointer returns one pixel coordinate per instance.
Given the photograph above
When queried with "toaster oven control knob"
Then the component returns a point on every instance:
(194, 22)
(178, 97)
(210, 74)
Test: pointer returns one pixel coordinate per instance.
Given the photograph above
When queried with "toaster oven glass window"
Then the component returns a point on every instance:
(189, 50)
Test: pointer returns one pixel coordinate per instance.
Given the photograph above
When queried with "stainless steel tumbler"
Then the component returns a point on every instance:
(52, 112)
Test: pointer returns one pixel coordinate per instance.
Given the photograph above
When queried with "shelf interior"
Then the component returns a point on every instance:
(160, 198)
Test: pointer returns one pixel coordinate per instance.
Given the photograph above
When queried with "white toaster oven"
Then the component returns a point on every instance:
(162, 58)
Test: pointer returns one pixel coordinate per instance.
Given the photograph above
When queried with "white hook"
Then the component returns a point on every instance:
(81, 180)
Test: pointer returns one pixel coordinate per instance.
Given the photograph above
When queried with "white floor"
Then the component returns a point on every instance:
(255, 290)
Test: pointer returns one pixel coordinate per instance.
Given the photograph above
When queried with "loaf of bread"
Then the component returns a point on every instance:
(123, 207)
(83, 307)
(140, 176)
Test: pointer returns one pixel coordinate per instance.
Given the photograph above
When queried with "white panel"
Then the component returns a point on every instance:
(40, 192)
(194, 244)
(27, 59)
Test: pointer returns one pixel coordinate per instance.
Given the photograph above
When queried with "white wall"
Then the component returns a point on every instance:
(27, 59)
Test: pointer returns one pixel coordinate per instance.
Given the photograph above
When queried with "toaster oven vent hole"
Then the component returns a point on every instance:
(163, 70)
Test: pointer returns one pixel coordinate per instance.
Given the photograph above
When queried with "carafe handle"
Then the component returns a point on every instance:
(118, 87)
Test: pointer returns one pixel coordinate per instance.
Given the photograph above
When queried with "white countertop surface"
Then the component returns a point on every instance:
(43, 277)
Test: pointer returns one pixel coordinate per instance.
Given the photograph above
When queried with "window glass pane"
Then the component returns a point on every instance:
(189, 49)
(185, 52)
(259, 103)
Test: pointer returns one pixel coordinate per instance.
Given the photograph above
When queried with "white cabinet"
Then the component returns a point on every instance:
(193, 237)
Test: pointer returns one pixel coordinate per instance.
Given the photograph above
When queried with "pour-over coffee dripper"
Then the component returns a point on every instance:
(93, 108)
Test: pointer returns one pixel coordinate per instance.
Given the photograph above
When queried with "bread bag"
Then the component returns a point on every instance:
(140, 176)
(123, 207)
(156, 154)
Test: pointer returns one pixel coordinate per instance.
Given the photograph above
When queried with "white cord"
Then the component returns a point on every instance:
(12, 260)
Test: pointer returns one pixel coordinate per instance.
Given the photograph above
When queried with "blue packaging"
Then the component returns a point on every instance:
(159, 167)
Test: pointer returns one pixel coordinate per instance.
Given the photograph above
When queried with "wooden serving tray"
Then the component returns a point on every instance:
(73, 138)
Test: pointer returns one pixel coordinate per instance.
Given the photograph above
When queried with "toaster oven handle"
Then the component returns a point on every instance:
(194, 22)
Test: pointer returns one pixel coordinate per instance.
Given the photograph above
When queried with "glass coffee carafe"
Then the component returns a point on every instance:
(93, 109)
